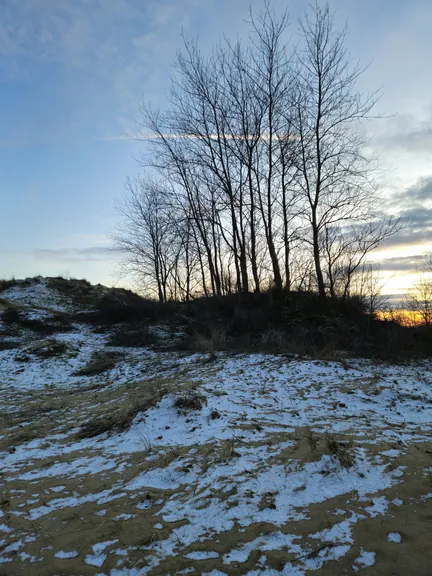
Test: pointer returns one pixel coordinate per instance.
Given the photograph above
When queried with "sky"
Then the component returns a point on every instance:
(73, 73)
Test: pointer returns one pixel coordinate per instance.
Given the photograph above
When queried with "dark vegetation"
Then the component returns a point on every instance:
(123, 417)
(191, 401)
(135, 336)
(14, 317)
(9, 344)
(99, 362)
(7, 283)
(273, 321)
(342, 450)
(43, 349)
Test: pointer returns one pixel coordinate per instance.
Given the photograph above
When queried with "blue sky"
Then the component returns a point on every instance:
(72, 73)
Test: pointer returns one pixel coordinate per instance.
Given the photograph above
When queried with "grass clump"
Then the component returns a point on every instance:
(190, 401)
(6, 284)
(342, 450)
(9, 344)
(311, 439)
(210, 343)
(121, 420)
(99, 362)
(53, 322)
(132, 337)
(47, 348)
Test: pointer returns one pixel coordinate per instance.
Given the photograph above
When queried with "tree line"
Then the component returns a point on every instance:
(257, 173)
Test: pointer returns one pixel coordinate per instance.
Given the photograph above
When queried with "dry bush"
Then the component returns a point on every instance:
(133, 337)
(9, 344)
(342, 450)
(311, 439)
(5, 284)
(215, 342)
(99, 362)
(122, 419)
(119, 306)
(191, 401)
(276, 341)
(47, 348)
(14, 316)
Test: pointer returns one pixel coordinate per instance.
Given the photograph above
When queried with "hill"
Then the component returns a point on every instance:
(145, 439)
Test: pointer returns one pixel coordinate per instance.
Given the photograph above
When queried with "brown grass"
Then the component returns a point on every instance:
(342, 450)
(311, 439)
(5, 284)
(99, 362)
(142, 397)
(47, 348)
(211, 344)
(120, 420)
(191, 401)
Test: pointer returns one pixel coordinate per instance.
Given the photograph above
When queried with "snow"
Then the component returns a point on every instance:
(199, 480)
(391, 453)
(76, 468)
(98, 558)
(65, 555)
(394, 537)
(364, 560)
(379, 506)
(201, 555)
(37, 293)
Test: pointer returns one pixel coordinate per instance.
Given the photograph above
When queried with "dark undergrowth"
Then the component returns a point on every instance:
(99, 363)
(277, 322)
(120, 419)
(273, 321)
(297, 323)
(14, 317)
(5, 284)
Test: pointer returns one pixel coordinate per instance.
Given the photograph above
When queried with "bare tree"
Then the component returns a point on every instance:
(144, 236)
(344, 250)
(367, 284)
(262, 178)
(335, 173)
(420, 299)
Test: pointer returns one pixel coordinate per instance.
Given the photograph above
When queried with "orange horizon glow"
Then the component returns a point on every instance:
(401, 316)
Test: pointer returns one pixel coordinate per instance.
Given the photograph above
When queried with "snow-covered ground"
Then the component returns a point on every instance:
(249, 482)
(38, 294)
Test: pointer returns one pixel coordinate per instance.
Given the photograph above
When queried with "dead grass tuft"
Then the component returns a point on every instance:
(121, 420)
(133, 337)
(311, 439)
(47, 348)
(214, 342)
(9, 344)
(5, 284)
(342, 450)
(16, 317)
(191, 401)
(99, 362)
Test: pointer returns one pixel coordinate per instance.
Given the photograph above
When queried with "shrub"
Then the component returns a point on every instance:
(133, 337)
(46, 348)
(342, 450)
(215, 342)
(57, 321)
(99, 362)
(191, 401)
(9, 344)
(116, 305)
(6, 284)
(122, 419)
